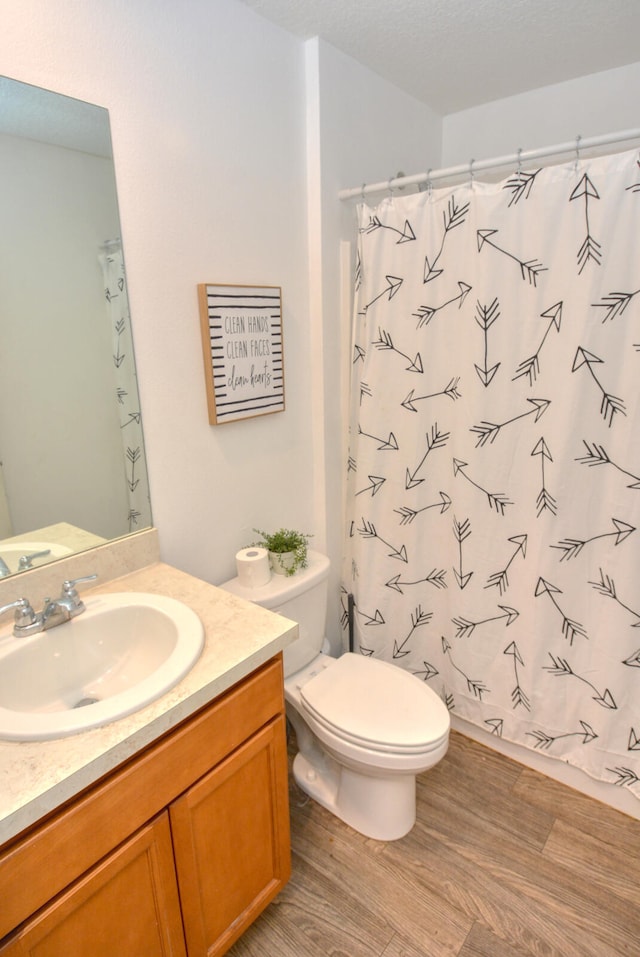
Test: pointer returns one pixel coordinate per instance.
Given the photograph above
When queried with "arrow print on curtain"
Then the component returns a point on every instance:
(435, 440)
(461, 531)
(496, 499)
(531, 366)
(570, 628)
(520, 185)
(496, 725)
(454, 216)
(545, 500)
(436, 577)
(425, 314)
(596, 455)
(633, 661)
(591, 248)
(464, 627)
(386, 445)
(606, 586)
(528, 270)
(428, 672)
(485, 318)
(385, 342)
(417, 620)
(375, 484)
(488, 431)
(571, 547)
(561, 668)
(518, 696)
(478, 688)
(368, 530)
(450, 390)
(393, 284)
(406, 235)
(615, 304)
(407, 514)
(545, 741)
(626, 778)
(610, 404)
(500, 580)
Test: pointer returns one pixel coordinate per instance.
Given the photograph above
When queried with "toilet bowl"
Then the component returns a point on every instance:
(364, 727)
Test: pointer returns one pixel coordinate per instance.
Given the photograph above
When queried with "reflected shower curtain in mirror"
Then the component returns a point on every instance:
(494, 467)
(126, 385)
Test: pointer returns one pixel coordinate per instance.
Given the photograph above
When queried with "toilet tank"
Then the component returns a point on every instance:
(302, 598)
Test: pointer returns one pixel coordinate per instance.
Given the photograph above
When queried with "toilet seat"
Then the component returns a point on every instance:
(376, 705)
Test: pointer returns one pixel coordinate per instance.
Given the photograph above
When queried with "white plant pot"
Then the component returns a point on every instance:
(281, 562)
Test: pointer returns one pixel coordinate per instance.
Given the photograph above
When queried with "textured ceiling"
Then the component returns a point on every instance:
(455, 54)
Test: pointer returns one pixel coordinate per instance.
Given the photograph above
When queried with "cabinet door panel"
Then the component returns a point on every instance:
(231, 842)
(127, 905)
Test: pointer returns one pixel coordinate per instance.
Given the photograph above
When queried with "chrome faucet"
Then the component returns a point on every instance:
(26, 561)
(67, 606)
(4, 569)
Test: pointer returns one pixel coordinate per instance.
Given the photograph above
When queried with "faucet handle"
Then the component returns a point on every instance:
(25, 617)
(69, 585)
(70, 594)
(18, 603)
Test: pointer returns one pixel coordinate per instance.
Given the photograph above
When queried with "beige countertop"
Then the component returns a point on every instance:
(38, 776)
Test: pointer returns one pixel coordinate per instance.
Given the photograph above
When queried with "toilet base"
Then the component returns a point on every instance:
(383, 808)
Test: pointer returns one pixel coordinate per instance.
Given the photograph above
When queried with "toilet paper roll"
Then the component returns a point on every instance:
(253, 567)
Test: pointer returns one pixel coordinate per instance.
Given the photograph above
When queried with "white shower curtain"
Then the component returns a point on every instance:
(494, 468)
(126, 386)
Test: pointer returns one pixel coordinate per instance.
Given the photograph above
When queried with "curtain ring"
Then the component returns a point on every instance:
(362, 192)
(471, 162)
(389, 187)
(519, 162)
(578, 138)
(429, 184)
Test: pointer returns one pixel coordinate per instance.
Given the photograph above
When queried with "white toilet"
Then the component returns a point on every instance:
(365, 728)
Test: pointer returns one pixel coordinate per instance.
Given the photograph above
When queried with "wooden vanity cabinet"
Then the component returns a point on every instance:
(174, 854)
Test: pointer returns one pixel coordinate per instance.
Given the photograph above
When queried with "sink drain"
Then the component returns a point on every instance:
(85, 701)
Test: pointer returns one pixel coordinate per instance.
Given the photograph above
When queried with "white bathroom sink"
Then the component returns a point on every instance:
(123, 652)
(12, 552)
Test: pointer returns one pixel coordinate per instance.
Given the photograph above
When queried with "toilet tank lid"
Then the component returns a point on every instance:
(283, 588)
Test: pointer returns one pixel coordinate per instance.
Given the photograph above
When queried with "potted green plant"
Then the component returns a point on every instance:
(287, 549)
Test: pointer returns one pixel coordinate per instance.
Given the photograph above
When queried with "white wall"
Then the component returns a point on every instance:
(208, 121)
(589, 106)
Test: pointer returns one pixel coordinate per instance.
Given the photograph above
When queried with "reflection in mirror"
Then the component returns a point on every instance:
(72, 465)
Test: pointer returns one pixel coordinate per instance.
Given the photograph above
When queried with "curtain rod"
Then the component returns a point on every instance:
(470, 168)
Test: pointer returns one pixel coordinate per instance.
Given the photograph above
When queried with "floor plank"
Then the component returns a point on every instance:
(566, 804)
(482, 942)
(586, 854)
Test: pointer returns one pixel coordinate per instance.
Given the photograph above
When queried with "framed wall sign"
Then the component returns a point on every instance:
(243, 350)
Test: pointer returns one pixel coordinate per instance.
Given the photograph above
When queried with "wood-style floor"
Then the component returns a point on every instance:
(502, 862)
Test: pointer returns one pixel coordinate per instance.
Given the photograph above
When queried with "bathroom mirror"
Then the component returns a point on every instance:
(72, 472)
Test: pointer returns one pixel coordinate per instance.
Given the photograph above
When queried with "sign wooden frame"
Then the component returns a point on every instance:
(243, 350)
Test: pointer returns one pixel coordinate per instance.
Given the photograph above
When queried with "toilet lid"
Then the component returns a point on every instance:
(376, 704)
